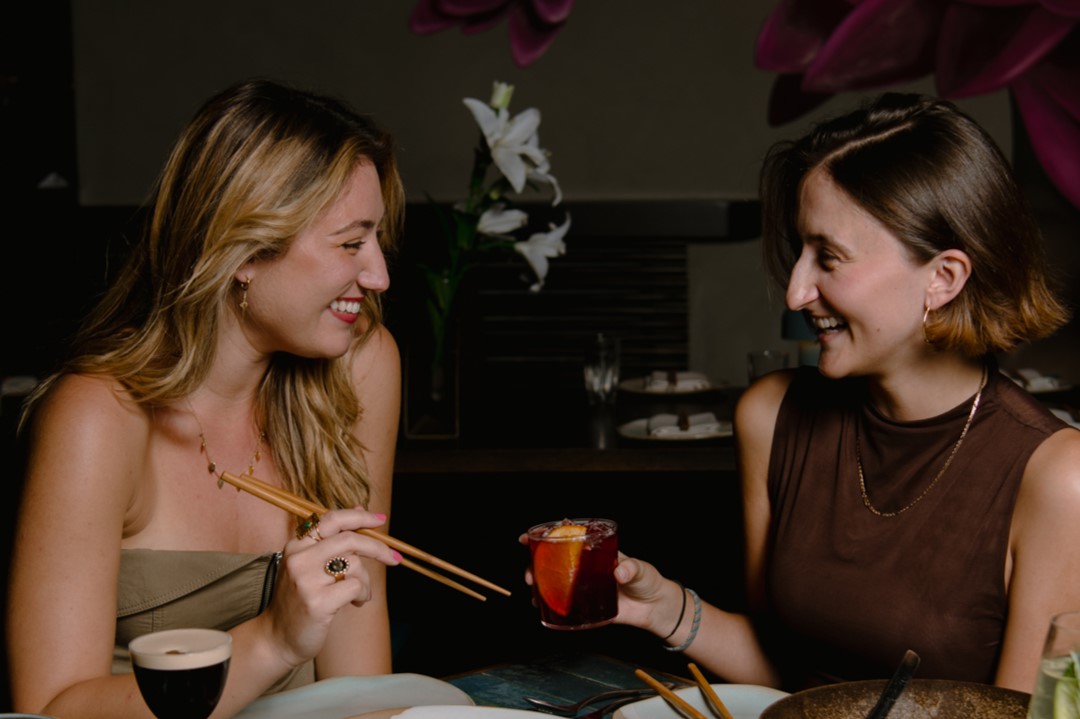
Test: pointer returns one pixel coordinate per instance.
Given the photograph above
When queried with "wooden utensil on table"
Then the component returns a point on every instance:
(677, 702)
(304, 508)
(712, 699)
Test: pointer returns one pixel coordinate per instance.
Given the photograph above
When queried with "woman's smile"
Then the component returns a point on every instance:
(346, 309)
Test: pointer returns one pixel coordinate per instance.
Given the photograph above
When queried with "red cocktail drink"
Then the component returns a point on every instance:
(573, 568)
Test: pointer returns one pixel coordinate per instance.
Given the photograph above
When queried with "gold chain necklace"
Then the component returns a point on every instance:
(211, 465)
(963, 433)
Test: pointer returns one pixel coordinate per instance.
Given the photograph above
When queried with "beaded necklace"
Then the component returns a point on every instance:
(211, 465)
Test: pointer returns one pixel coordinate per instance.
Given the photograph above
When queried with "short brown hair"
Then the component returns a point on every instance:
(937, 181)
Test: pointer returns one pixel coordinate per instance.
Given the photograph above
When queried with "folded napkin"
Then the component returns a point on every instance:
(1065, 415)
(661, 381)
(1033, 381)
(703, 424)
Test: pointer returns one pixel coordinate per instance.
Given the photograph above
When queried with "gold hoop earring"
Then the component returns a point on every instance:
(926, 337)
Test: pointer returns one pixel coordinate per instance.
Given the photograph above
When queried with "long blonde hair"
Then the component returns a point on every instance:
(255, 166)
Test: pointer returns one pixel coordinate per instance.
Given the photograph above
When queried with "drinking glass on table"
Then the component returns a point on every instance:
(761, 362)
(573, 570)
(602, 368)
(1057, 692)
(181, 672)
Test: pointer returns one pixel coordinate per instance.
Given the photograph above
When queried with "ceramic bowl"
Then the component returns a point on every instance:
(923, 698)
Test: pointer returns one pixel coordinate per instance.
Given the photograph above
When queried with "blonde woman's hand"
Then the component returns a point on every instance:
(307, 596)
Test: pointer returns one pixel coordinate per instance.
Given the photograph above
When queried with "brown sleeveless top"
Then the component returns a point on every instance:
(850, 591)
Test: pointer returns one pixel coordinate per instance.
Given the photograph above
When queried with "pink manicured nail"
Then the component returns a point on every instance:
(397, 555)
(380, 516)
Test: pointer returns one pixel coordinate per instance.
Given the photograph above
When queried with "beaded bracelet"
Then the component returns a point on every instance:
(682, 613)
(693, 627)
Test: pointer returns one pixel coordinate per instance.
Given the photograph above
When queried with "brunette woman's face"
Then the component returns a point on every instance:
(856, 282)
(308, 300)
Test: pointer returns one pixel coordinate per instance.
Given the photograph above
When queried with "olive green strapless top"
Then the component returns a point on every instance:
(169, 589)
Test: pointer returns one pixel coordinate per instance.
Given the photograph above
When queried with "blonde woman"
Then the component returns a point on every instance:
(242, 336)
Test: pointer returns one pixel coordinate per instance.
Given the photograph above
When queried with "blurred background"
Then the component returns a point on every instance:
(640, 101)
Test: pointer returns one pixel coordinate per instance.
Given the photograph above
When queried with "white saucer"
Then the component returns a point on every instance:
(744, 701)
(637, 385)
(639, 429)
(1050, 390)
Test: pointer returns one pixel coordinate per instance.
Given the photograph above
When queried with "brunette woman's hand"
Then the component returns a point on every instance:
(646, 598)
(307, 595)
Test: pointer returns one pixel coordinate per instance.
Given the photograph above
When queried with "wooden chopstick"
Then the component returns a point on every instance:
(304, 508)
(677, 702)
(403, 547)
(712, 699)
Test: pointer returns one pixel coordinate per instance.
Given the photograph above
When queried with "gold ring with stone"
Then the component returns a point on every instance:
(337, 568)
(308, 527)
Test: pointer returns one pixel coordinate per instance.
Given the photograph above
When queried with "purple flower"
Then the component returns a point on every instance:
(1031, 47)
(533, 23)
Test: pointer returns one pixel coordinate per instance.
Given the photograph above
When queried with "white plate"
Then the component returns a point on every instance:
(637, 385)
(452, 712)
(744, 701)
(639, 429)
(343, 697)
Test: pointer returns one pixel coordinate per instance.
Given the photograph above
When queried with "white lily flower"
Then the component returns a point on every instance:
(500, 95)
(499, 221)
(541, 246)
(541, 176)
(509, 139)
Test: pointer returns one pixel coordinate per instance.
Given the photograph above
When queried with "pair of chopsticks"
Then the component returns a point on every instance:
(304, 508)
(681, 705)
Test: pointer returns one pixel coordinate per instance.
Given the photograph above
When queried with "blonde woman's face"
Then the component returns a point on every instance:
(307, 301)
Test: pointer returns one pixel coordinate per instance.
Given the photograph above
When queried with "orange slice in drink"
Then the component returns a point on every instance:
(555, 566)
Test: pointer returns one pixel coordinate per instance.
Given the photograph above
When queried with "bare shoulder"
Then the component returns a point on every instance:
(1052, 477)
(87, 445)
(758, 406)
(376, 359)
(375, 367)
(755, 425)
(90, 407)
(1044, 522)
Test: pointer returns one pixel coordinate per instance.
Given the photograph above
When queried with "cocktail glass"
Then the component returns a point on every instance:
(181, 672)
(1057, 692)
(573, 569)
